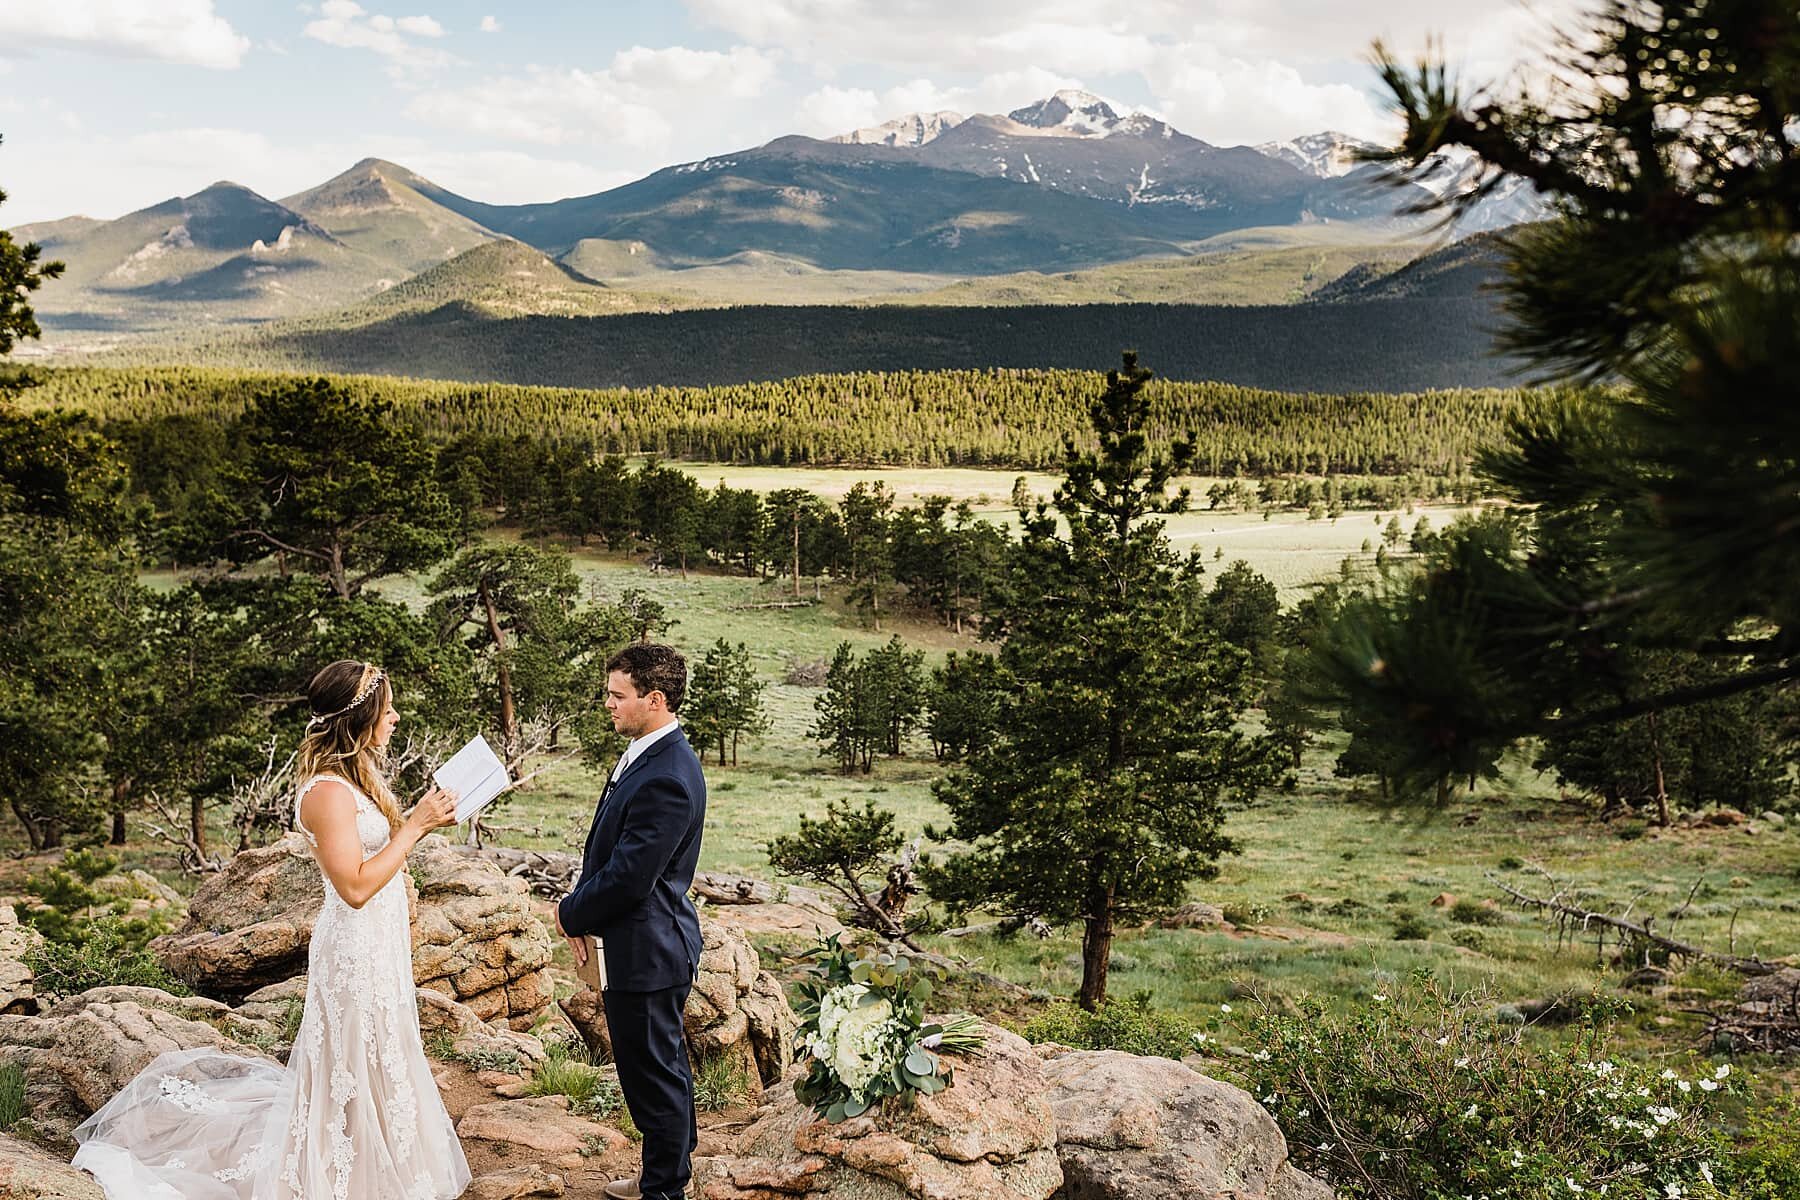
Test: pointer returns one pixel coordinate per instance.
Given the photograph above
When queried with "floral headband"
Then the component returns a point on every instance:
(372, 677)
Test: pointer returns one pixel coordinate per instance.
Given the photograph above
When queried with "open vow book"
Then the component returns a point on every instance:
(476, 774)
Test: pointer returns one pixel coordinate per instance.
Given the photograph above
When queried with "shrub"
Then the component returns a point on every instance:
(110, 953)
(1130, 1025)
(1419, 1095)
(1411, 927)
(1767, 1163)
(1472, 939)
(1474, 912)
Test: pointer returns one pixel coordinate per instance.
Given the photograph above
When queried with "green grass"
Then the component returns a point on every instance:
(563, 1073)
(12, 1095)
(1238, 274)
(720, 1082)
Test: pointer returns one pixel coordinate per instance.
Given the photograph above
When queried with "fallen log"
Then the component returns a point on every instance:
(1570, 916)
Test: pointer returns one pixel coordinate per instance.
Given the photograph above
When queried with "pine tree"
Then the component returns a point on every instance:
(335, 486)
(1657, 512)
(22, 272)
(848, 726)
(724, 703)
(1100, 796)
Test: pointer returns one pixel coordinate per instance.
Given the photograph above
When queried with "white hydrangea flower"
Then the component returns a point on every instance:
(853, 1038)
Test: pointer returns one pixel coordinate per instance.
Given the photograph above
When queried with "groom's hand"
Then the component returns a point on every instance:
(577, 946)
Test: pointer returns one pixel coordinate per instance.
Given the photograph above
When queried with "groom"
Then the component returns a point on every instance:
(632, 895)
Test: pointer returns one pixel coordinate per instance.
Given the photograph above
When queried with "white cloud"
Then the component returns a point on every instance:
(643, 99)
(347, 24)
(740, 73)
(1230, 101)
(831, 110)
(177, 31)
(490, 24)
(1224, 70)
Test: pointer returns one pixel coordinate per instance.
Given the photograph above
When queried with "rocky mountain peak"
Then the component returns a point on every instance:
(1072, 111)
(914, 129)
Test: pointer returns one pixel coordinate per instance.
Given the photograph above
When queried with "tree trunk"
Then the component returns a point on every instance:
(1096, 957)
(509, 725)
(41, 835)
(197, 826)
(1656, 758)
(121, 795)
(796, 552)
(340, 579)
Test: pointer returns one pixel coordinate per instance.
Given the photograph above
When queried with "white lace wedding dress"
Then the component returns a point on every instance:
(355, 1115)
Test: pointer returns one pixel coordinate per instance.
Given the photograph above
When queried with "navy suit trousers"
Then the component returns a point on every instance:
(650, 1049)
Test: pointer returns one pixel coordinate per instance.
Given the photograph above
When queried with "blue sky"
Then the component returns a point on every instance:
(110, 105)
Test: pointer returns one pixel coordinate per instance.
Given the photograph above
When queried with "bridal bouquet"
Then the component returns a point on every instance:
(864, 1033)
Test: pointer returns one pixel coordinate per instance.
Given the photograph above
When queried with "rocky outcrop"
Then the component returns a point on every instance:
(471, 1036)
(989, 1136)
(1196, 915)
(248, 926)
(18, 992)
(475, 936)
(736, 1011)
(1131, 1128)
(82, 1051)
(98, 1040)
(29, 1173)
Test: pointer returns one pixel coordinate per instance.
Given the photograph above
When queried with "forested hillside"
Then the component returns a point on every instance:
(1011, 418)
(1379, 345)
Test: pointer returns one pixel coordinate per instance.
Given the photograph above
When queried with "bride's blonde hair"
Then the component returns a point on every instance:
(347, 700)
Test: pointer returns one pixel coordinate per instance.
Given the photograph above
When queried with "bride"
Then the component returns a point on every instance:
(355, 1115)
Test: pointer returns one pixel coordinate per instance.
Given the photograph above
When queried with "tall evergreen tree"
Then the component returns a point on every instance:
(848, 727)
(336, 486)
(1102, 793)
(22, 272)
(724, 703)
(963, 705)
(518, 606)
(868, 514)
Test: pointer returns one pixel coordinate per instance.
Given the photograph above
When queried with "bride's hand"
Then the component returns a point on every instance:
(435, 810)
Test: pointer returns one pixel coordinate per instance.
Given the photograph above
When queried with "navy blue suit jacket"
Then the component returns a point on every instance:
(639, 863)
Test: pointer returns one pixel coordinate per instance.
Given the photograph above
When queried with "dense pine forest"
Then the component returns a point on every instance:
(1376, 345)
(999, 418)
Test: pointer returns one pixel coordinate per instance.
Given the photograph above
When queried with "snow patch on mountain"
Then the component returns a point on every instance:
(914, 129)
(1071, 112)
(1326, 155)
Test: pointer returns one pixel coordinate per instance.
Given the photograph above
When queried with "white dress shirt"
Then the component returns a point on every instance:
(638, 745)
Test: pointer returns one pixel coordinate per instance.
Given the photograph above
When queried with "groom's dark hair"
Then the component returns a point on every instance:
(653, 667)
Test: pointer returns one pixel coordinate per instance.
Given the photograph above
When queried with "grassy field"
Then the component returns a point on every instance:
(1285, 547)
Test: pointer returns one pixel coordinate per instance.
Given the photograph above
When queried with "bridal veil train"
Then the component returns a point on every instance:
(355, 1114)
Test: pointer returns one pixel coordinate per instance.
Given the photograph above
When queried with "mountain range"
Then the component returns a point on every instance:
(1068, 183)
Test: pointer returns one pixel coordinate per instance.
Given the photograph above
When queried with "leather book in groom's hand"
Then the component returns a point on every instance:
(593, 972)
